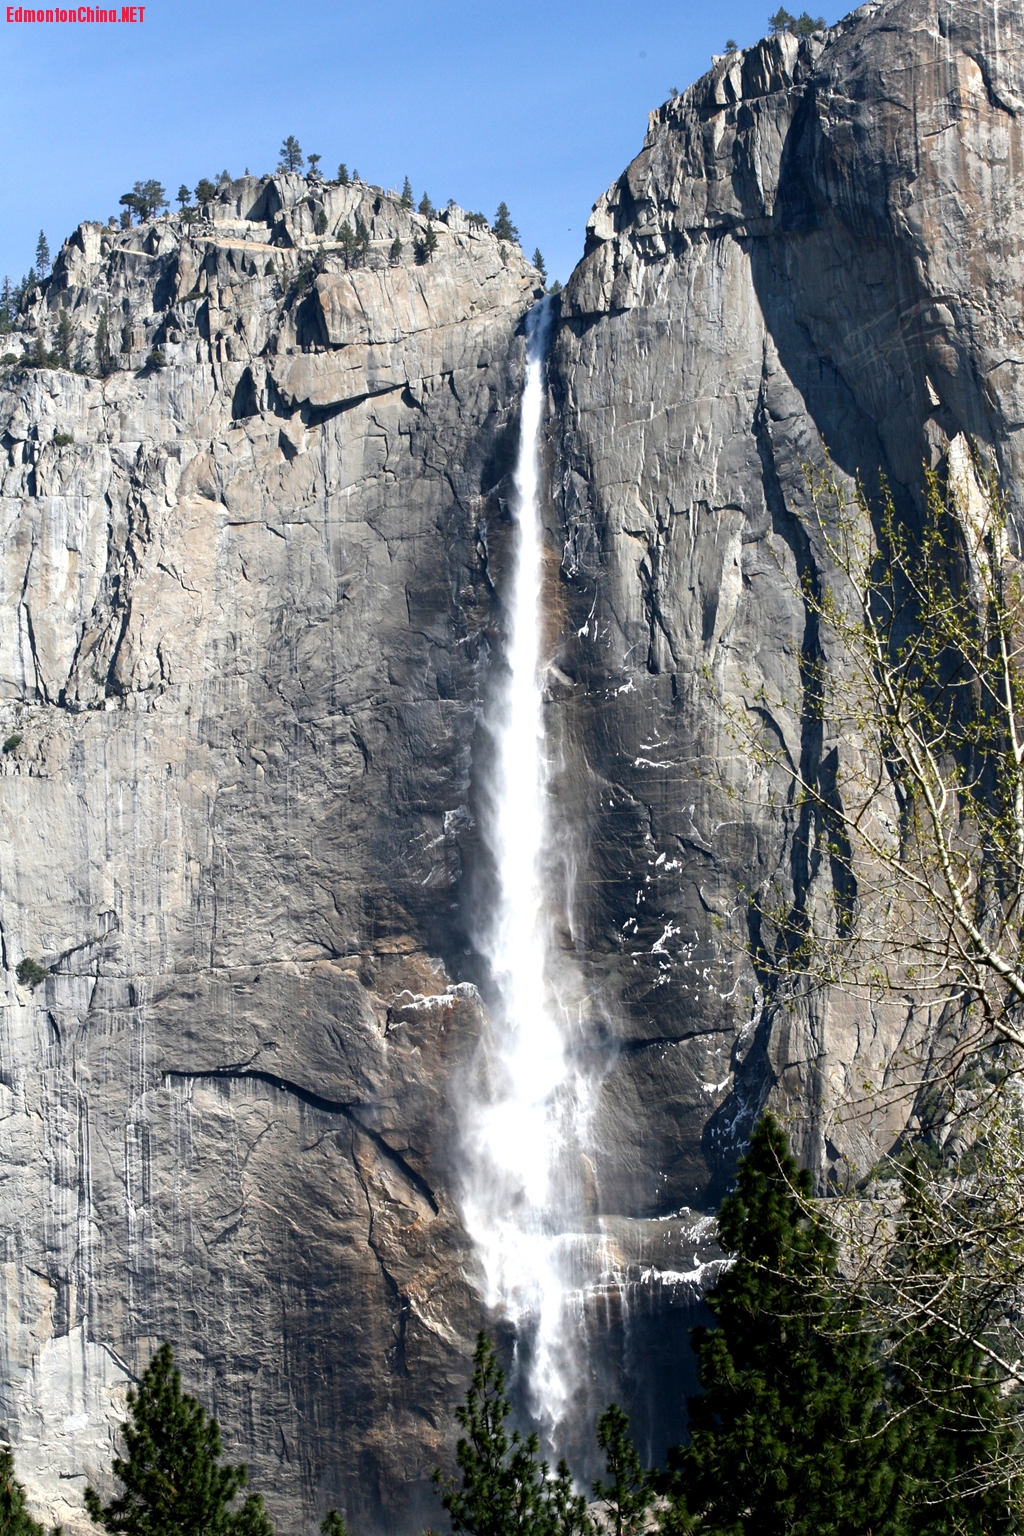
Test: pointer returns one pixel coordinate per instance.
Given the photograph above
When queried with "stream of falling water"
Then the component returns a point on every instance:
(523, 1191)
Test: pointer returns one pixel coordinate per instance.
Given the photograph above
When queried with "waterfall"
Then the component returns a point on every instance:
(525, 1133)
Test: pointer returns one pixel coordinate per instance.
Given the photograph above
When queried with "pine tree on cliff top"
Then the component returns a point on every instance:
(291, 154)
(172, 1480)
(789, 1437)
(42, 255)
(503, 226)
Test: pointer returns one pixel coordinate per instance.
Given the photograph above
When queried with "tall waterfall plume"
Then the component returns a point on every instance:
(526, 1134)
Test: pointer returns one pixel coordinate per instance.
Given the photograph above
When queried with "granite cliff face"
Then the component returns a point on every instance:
(820, 244)
(249, 619)
(245, 614)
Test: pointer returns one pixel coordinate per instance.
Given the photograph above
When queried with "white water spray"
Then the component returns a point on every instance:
(522, 1199)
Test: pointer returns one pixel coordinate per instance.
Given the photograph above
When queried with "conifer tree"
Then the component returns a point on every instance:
(504, 1489)
(15, 1519)
(184, 196)
(395, 252)
(314, 162)
(790, 1436)
(628, 1491)
(538, 261)
(503, 226)
(205, 191)
(343, 174)
(347, 241)
(42, 256)
(425, 247)
(406, 193)
(63, 340)
(104, 353)
(782, 21)
(172, 1480)
(426, 207)
(145, 200)
(291, 154)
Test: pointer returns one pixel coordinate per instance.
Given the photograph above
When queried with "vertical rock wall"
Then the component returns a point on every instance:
(246, 614)
(249, 599)
(819, 247)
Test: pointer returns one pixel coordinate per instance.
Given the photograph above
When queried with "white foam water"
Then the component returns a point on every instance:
(525, 1133)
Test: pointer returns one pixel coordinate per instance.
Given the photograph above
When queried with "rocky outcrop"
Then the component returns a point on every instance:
(819, 246)
(246, 610)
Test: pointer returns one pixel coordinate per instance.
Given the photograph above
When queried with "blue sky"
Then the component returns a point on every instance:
(539, 105)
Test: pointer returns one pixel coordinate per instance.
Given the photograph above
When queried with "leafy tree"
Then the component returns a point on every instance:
(291, 154)
(789, 1437)
(172, 1480)
(15, 1519)
(426, 207)
(503, 226)
(42, 256)
(538, 261)
(184, 196)
(205, 192)
(920, 611)
(628, 1492)
(343, 174)
(504, 1489)
(957, 1469)
(406, 193)
(64, 338)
